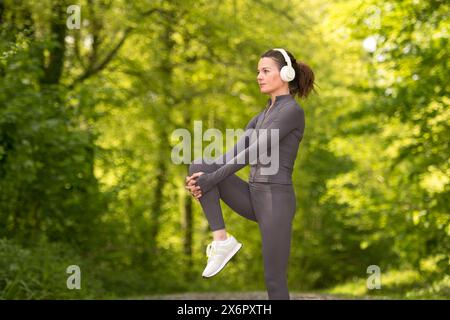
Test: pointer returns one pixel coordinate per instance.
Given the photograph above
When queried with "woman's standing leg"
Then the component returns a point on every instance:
(275, 207)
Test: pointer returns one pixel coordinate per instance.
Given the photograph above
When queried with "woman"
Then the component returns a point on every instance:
(268, 199)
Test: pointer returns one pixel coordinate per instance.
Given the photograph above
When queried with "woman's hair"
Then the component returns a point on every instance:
(303, 82)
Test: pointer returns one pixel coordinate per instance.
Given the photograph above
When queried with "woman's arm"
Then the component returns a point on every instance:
(288, 118)
(242, 144)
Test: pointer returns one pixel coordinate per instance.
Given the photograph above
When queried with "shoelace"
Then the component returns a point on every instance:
(210, 249)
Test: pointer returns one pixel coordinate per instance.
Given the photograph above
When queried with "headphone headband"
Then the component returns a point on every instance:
(285, 55)
(287, 73)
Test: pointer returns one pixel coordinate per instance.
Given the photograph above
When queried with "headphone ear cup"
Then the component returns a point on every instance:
(287, 73)
(291, 73)
(283, 73)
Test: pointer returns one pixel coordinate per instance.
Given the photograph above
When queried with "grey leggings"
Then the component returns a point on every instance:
(271, 205)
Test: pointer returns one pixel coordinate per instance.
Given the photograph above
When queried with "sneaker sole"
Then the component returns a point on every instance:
(226, 260)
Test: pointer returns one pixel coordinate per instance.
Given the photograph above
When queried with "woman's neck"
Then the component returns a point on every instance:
(273, 96)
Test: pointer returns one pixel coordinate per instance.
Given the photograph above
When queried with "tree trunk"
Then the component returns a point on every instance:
(54, 68)
(162, 124)
(188, 232)
(156, 208)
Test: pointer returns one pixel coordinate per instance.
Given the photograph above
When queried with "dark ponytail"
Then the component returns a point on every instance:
(303, 83)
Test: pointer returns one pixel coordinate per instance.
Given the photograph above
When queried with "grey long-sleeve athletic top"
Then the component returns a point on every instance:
(286, 116)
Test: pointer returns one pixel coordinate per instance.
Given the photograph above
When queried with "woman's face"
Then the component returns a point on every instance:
(269, 76)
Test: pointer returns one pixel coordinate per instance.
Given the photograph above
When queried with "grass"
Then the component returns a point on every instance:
(396, 284)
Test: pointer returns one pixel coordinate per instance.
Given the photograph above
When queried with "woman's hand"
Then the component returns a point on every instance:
(191, 185)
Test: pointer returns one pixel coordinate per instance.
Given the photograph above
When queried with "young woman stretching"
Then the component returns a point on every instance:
(268, 198)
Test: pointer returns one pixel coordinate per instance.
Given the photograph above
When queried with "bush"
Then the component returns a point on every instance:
(39, 272)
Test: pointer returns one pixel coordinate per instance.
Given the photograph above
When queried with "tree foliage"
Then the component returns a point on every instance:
(86, 122)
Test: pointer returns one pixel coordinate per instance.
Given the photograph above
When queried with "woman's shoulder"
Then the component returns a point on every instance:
(292, 107)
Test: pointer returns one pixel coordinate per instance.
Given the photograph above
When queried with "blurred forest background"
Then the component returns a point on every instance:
(86, 122)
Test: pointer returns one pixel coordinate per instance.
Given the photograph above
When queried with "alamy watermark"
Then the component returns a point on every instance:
(252, 147)
(74, 280)
(374, 280)
(74, 19)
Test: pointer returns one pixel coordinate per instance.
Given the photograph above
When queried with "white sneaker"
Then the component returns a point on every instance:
(219, 253)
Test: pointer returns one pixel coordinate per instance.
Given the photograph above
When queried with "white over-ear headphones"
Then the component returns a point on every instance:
(287, 73)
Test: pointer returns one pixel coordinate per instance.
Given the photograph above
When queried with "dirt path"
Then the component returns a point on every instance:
(238, 296)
